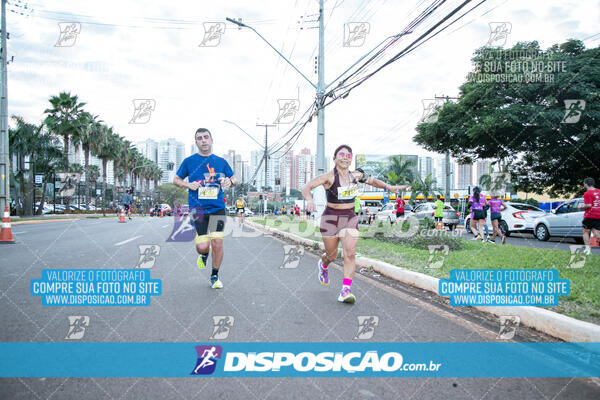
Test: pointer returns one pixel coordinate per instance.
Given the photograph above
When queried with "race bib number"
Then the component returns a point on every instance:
(208, 192)
(346, 192)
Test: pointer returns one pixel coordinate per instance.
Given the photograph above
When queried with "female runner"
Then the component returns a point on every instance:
(339, 222)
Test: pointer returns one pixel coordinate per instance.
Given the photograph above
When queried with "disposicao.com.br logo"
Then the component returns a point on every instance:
(287, 363)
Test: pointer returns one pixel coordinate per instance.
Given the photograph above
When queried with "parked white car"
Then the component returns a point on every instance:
(516, 218)
(564, 221)
(387, 213)
(427, 210)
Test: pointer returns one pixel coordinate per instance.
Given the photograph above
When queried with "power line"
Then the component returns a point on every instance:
(415, 44)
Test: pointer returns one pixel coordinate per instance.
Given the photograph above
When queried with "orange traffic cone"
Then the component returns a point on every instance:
(6, 235)
(161, 213)
(440, 226)
(593, 240)
(122, 216)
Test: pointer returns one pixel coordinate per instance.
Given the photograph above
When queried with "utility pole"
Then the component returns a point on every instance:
(448, 173)
(266, 154)
(320, 87)
(320, 93)
(266, 159)
(4, 152)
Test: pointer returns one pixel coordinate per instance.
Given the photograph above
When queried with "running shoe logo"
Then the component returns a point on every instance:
(573, 111)
(579, 254)
(148, 254)
(499, 32)
(77, 326)
(207, 359)
(508, 326)
(68, 33)
(366, 326)
(222, 326)
(355, 33)
(212, 34)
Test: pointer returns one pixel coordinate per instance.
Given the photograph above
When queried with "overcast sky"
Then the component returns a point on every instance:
(151, 50)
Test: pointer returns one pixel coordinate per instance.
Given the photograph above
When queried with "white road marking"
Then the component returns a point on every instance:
(128, 240)
(164, 226)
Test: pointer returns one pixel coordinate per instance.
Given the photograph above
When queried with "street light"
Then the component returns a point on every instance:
(320, 87)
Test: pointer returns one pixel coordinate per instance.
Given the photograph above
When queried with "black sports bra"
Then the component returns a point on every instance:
(332, 192)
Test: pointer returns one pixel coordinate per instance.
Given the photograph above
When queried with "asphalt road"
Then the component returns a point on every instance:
(268, 303)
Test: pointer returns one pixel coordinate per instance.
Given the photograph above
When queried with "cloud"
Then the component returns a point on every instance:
(150, 50)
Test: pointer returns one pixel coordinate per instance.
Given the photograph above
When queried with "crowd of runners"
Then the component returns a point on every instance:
(208, 174)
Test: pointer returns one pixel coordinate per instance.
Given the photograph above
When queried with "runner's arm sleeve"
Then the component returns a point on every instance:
(364, 177)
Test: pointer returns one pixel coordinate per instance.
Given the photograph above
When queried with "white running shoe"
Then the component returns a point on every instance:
(216, 282)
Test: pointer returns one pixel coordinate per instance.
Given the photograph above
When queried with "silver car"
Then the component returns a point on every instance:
(565, 221)
(427, 210)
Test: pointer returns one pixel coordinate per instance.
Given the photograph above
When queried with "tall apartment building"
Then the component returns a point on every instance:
(170, 151)
(304, 168)
(464, 177)
(76, 156)
(483, 168)
(426, 167)
(149, 149)
(440, 173)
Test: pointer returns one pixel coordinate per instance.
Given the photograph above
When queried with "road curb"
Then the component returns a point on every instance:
(43, 221)
(546, 321)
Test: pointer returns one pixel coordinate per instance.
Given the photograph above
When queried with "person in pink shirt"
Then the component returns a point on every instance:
(496, 207)
(478, 201)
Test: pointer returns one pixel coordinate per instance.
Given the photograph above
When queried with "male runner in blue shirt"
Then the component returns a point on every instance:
(207, 175)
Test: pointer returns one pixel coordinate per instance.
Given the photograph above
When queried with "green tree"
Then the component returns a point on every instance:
(426, 187)
(89, 130)
(106, 149)
(64, 119)
(524, 123)
(48, 161)
(172, 194)
(24, 143)
(399, 170)
(493, 181)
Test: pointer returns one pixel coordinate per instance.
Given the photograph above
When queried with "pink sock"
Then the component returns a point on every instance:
(347, 282)
(323, 265)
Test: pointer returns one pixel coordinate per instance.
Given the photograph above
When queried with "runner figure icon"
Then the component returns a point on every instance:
(207, 361)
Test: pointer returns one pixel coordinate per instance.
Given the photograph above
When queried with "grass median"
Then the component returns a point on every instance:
(583, 302)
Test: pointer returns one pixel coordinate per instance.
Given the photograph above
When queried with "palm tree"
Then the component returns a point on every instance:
(106, 149)
(137, 160)
(76, 168)
(23, 143)
(494, 181)
(122, 164)
(48, 160)
(399, 170)
(426, 187)
(63, 119)
(89, 129)
(92, 175)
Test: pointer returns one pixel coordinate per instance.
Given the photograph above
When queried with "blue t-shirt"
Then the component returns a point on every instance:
(206, 170)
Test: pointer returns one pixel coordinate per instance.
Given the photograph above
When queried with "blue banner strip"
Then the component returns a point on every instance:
(297, 359)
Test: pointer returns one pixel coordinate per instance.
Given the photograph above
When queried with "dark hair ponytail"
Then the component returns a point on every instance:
(476, 191)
